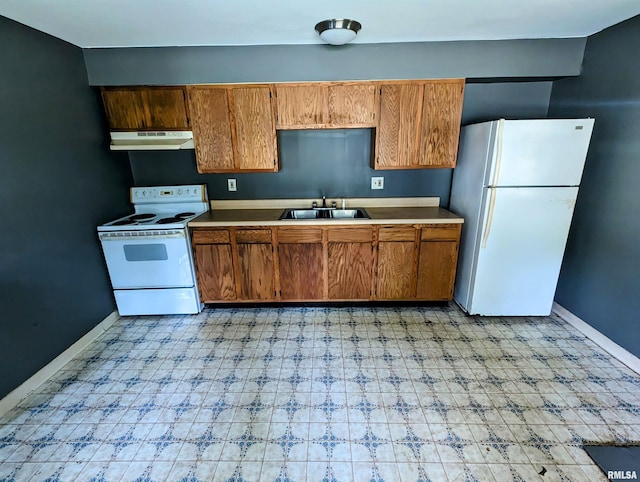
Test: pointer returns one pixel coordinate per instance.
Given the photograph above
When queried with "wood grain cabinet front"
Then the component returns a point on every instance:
(233, 128)
(336, 263)
(326, 105)
(234, 264)
(255, 273)
(145, 108)
(437, 261)
(350, 263)
(419, 124)
(417, 262)
(396, 263)
(300, 264)
(213, 258)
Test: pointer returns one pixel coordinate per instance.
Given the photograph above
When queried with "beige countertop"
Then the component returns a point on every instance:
(380, 210)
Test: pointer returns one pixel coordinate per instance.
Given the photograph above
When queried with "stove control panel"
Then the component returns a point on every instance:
(169, 194)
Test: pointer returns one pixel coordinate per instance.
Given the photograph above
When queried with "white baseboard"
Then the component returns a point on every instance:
(45, 373)
(608, 345)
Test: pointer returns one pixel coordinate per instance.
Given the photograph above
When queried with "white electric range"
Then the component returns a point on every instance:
(148, 253)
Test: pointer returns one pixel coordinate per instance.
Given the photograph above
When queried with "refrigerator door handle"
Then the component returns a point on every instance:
(499, 135)
(487, 226)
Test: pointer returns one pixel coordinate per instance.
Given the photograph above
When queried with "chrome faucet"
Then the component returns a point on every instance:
(324, 201)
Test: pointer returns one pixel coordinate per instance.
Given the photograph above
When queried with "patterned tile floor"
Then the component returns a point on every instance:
(335, 394)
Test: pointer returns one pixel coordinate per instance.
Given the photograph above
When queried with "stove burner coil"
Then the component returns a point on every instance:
(140, 217)
(169, 220)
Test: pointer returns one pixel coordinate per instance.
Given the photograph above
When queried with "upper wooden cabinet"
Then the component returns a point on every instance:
(397, 139)
(326, 105)
(233, 128)
(211, 125)
(419, 124)
(145, 108)
(440, 126)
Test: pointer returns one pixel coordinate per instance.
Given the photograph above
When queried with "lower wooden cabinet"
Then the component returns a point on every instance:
(214, 265)
(300, 264)
(350, 263)
(396, 263)
(367, 262)
(255, 271)
(437, 262)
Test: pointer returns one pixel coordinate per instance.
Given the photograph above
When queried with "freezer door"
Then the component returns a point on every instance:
(520, 251)
(543, 152)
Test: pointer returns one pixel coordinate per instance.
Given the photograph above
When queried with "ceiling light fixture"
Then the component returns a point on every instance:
(338, 31)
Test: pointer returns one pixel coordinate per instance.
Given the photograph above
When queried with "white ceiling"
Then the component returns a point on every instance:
(144, 23)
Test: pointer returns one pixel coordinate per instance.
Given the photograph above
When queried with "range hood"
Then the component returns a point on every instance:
(151, 140)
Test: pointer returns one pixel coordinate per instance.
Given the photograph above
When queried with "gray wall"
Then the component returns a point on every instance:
(274, 63)
(58, 182)
(337, 162)
(600, 277)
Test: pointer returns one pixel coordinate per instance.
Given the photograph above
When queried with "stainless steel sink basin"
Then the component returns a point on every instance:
(324, 213)
(348, 213)
(301, 214)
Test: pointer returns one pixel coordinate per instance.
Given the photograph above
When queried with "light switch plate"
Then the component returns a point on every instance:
(231, 185)
(377, 183)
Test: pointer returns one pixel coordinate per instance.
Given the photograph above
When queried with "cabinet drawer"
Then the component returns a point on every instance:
(350, 235)
(309, 235)
(441, 232)
(397, 233)
(253, 236)
(211, 236)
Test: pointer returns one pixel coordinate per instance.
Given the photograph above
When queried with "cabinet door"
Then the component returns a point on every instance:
(396, 270)
(145, 108)
(352, 105)
(255, 264)
(300, 262)
(437, 270)
(214, 269)
(440, 129)
(396, 263)
(350, 263)
(255, 271)
(397, 137)
(211, 126)
(255, 133)
(300, 106)
(300, 271)
(438, 261)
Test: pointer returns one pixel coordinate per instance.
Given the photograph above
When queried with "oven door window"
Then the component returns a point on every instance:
(145, 252)
(149, 263)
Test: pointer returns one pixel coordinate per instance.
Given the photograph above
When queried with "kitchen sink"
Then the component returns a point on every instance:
(324, 213)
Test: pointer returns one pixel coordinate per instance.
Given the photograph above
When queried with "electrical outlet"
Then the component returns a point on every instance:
(377, 183)
(231, 185)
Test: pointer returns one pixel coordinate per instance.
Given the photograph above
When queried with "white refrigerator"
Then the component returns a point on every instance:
(515, 184)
